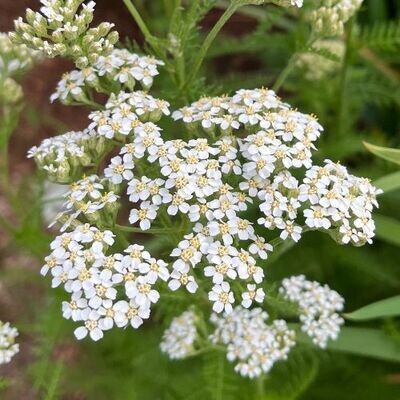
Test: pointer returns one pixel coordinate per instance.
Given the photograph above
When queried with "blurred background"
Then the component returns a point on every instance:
(253, 48)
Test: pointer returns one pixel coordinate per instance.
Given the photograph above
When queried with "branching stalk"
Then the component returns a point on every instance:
(149, 38)
(233, 7)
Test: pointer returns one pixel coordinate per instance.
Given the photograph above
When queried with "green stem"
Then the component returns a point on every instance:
(138, 19)
(149, 38)
(290, 66)
(234, 5)
(260, 387)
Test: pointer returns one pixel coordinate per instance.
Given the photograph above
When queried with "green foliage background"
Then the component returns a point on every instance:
(358, 103)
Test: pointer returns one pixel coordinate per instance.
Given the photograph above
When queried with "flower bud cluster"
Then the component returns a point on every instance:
(319, 306)
(106, 289)
(15, 60)
(8, 347)
(329, 18)
(180, 337)
(63, 157)
(114, 72)
(61, 28)
(316, 67)
(251, 343)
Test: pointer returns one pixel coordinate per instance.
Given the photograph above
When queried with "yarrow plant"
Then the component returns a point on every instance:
(8, 347)
(198, 186)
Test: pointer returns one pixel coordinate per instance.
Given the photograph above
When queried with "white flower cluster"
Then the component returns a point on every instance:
(315, 66)
(127, 113)
(8, 347)
(319, 307)
(90, 198)
(254, 345)
(106, 290)
(330, 16)
(210, 185)
(341, 201)
(64, 156)
(180, 337)
(119, 66)
(61, 28)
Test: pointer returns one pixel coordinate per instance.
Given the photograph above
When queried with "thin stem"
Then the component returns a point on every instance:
(234, 5)
(149, 38)
(260, 387)
(289, 67)
(139, 20)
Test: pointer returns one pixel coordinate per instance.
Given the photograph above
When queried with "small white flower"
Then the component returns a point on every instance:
(130, 313)
(91, 326)
(142, 292)
(119, 169)
(260, 247)
(154, 269)
(182, 278)
(145, 215)
(222, 297)
(222, 268)
(252, 294)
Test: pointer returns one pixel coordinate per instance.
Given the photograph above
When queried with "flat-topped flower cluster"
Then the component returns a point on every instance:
(209, 184)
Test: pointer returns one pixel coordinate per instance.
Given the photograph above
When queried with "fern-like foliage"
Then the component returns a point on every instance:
(383, 36)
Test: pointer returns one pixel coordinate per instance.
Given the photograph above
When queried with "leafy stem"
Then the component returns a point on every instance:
(148, 36)
(232, 8)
